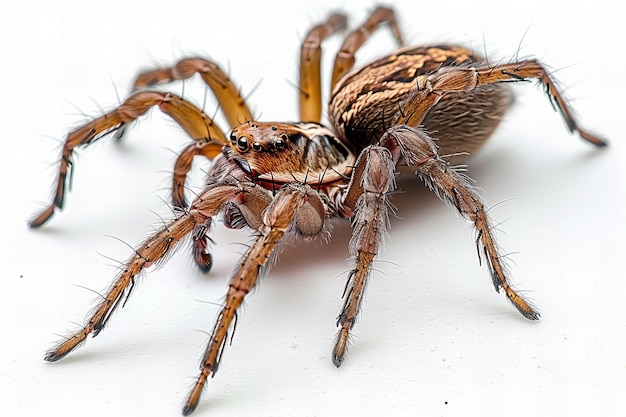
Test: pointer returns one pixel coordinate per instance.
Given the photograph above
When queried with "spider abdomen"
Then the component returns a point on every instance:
(366, 102)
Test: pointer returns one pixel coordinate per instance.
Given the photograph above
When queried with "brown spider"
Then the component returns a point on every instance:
(278, 178)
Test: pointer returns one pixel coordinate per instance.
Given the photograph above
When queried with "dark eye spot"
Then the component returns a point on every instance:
(256, 146)
(274, 128)
(242, 144)
(233, 138)
(279, 144)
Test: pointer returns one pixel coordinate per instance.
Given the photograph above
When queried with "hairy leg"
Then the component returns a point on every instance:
(366, 202)
(229, 97)
(197, 124)
(282, 214)
(151, 252)
(345, 60)
(310, 57)
(420, 152)
(430, 89)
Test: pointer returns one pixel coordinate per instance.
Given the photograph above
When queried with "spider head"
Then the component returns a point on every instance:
(270, 138)
(287, 152)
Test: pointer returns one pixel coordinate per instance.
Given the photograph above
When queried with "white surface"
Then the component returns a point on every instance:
(434, 338)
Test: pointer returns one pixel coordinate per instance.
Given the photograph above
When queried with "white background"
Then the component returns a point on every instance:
(434, 339)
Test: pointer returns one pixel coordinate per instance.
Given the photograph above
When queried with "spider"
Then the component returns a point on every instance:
(420, 108)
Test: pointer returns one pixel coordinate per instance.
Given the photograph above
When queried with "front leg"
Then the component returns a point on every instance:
(366, 202)
(366, 199)
(151, 252)
(295, 207)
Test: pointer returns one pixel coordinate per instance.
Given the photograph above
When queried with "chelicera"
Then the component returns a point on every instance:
(421, 107)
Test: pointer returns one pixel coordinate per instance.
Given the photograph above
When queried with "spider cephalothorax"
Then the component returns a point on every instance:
(284, 152)
(277, 178)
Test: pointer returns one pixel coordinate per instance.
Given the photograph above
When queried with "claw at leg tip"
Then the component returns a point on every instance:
(51, 357)
(205, 269)
(337, 360)
(41, 218)
(339, 352)
(533, 315)
(593, 139)
(188, 410)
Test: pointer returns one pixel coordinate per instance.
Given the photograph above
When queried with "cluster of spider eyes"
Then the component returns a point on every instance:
(243, 144)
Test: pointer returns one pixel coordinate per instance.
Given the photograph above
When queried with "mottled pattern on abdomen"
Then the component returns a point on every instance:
(366, 102)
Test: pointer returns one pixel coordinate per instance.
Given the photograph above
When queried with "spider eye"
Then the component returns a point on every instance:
(279, 144)
(233, 139)
(256, 146)
(242, 144)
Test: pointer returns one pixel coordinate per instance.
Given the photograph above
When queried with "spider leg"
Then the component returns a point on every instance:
(430, 89)
(197, 124)
(366, 202)
(200, 244)
(153, 251)
(281, 215)
(310, 57)
(203, 147)
(345, 60)
(229, 97)
(419, 151)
